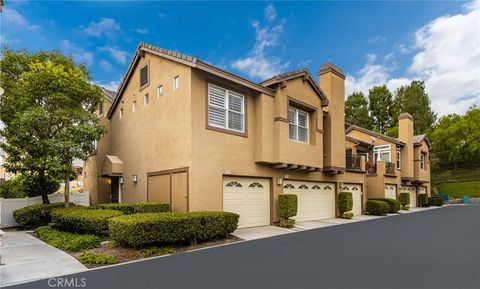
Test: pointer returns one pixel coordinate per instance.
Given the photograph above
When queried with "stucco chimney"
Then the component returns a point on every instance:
(405, 134)
(332, 82)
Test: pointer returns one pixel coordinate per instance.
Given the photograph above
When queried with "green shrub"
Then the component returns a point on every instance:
(26, 185)
(393, 204)
(67, 241)
(91, 258)
(436, 201)
(135, 208)
(347, 215)
(35, 215)
(404, 199)
(151, 228)
(83, 220)
(377, 208)
(286, 223)
(423, 200)
(287, 205)
(345, 202)
(406, 208)
(150, 251)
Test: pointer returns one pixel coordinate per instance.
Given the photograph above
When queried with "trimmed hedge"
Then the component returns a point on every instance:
(82, 220)
(35, 215)
(287, 205)
(345, 202)
(153, 228)
(150, 251)
(135, 208)
(436, 201)
(393, 204)
(423, 200)
(67, 241)
(347, 215)
(404, 199)
(377, 208)
(91, 258)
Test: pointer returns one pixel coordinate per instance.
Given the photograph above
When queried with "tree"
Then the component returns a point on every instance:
(356, 110)
(381, 108)
(413, 99)
(49, 114)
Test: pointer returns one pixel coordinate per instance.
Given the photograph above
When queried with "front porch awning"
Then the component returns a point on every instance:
(112, 166)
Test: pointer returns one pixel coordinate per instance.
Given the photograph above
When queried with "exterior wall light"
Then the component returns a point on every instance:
(279, 181)
(135, 179)
(120, 180)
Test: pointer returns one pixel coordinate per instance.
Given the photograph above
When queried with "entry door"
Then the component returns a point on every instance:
(171, 188)
(114, 190)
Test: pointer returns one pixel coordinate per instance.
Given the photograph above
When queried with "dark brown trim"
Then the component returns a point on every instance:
(333, 168)
(147, 64)
(170, 173)
(281, 118)
(245, 94)
(355, 171)
(300, 104)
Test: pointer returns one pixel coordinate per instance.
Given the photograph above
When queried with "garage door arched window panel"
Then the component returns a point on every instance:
(288, 186)
(226, 109)
(316, 187)
(234, 184)
(303, 187)
(327, 188)
(255, 185)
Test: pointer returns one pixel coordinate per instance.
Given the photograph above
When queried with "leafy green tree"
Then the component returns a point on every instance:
(49, 114)
(356, 110)
(381, 108)
(413, 99)
(26, 185)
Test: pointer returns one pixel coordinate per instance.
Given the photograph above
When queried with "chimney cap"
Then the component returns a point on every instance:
(405, 115)
(330, 67)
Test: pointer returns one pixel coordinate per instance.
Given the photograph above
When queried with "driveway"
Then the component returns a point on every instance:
(431, 249)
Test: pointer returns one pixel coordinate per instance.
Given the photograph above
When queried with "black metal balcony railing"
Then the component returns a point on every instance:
(371, 167)
(353, 162)
(389, 168)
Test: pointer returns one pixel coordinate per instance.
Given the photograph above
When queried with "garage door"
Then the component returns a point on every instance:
(315, 200)
(411, 191)
(391, 191)
(422, 190)
(356, 191)
(248, 197)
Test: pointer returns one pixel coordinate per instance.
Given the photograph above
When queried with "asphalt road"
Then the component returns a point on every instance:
(438, 248)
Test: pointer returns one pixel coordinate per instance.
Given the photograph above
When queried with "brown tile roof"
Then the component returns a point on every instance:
(417, 139)
(375, 134)
(110, 94)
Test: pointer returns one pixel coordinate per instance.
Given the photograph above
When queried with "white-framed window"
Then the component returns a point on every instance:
(134, 106)
(422, 161)
(159, 91)
(297, 125)
(146, 99)
(226, 109)
(382, 153)
(120, 114)
(176, 82)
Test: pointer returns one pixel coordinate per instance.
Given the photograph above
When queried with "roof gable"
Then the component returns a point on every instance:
(374, 134)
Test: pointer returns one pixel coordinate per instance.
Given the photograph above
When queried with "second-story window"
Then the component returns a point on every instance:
(422, 161)
(297, 125)
(145, 99)
(382, 153)
(176, 82)
(120, 115)
(226, 109)
(399, 159)
(134, 106)
(159, 91)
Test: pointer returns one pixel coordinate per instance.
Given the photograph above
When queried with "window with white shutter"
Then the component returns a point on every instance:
(226, 109)
(298, 125)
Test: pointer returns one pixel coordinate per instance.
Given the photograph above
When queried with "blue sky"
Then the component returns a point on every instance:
(373, 42)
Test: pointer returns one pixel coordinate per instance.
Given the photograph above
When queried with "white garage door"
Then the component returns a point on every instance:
(315, 200)
(248, 197)
(391, 191)
(411, 191)
(356, 191)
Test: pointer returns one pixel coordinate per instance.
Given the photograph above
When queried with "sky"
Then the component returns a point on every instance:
(374, 43)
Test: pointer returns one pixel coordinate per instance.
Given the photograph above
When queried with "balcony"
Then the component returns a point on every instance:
(353, 162)
(390, 168)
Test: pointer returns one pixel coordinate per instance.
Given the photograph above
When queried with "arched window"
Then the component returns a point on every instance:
(288, 186)
(255, 185)
(234, 184)
(303, 187)
(316, 187)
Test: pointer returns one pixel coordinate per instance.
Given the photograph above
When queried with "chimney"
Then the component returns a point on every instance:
(405, 134)
(332, 82)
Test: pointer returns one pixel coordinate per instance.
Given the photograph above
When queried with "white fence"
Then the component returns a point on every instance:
(7, 206)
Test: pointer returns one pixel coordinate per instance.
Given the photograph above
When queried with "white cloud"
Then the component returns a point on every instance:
(5, 40)
(12, 18)
(105, 65)
(119, 55)
(111, 85)
(78, 53)
(377, 39)
(106, 26)
(140, 31)
(258, 64)
(447, 59)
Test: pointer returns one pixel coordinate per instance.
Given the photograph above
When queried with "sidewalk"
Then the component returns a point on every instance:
(26, 258)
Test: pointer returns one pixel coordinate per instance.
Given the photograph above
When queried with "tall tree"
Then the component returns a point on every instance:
(381, 108)
(356, 110)
(413, 99)
(48, 112)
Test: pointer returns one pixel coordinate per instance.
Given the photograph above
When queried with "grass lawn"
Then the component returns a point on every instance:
(458, 189)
